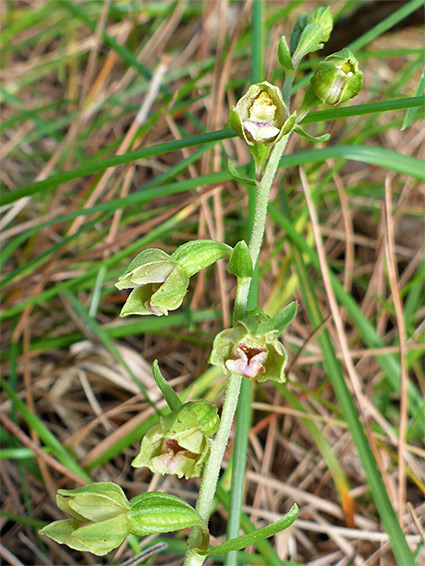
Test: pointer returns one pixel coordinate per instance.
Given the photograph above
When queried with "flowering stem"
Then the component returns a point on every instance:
(218, 446)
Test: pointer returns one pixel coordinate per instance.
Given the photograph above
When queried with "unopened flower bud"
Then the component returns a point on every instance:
(337, 78)
(100, 520)
(180, 443)
(251, 349)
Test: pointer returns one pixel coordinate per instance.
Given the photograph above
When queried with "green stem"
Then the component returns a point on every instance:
(218, 446)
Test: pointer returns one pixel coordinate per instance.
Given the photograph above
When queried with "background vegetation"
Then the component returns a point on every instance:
(113, 139)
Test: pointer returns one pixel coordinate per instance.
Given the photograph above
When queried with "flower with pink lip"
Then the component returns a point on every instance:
(248, 362)
(251, 349)
(180, 443)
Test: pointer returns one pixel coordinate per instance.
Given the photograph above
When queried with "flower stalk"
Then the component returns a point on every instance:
(212, 468)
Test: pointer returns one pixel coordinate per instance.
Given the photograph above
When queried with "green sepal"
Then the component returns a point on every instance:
(159, 284)
(152, 265)
(257, 323)
(338, 78)
(180, 443)
(260, 154)
(251, 349)
(168, 392)
(95, 502)
(192, 415)
(251, 538)
(101, 538)
(62, 531)
(235, 122)
(240, 263)
(98, 538)
(156, 512)
(199, 254)
(298, 130)
(234, 173)
(169, 295)
(284, 55)
(285, 317)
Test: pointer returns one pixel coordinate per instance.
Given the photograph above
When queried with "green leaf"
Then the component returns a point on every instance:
(250, 538)
(311, 138)
(240, 263)
(285, 317)
(169, 395)
(284, 54)
(234, 173)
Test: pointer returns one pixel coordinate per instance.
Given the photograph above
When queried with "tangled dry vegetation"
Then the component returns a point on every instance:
(70, 99)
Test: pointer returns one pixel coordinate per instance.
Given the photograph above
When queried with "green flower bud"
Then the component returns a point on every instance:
(101, 518)
(180, 443)
(251, 349)
(337, 78)
(199, 254)
(156, 512)
(310, 33)
(259, 117)
(158, 283)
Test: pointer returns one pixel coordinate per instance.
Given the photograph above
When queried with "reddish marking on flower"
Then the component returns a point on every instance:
(172, 445)
(247, 361)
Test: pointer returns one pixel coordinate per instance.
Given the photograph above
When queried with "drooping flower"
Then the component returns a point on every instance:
(100, 520)
(160, 281)
(180, 443)
(251, 349)
(158, 284)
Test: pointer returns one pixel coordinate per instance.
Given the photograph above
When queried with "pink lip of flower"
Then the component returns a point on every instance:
(172, 453)
(248, 361)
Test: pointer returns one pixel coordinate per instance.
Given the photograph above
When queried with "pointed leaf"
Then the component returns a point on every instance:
(250, 538)
(284, 54)
(169, 395)
(285, 317)
(234, 173)
(301, 132)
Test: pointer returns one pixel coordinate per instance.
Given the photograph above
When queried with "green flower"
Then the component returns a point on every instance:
(158, 284)
(251, 349)
(260, 116)
(160, 281)
(180, 443)
(100, 520)
(337, 78)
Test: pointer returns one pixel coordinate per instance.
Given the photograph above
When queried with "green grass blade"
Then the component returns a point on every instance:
(374, 108)
(96, 166)
(333, 369)
(411, 113)
(58, 451)
(388, 363)
(386, 24)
